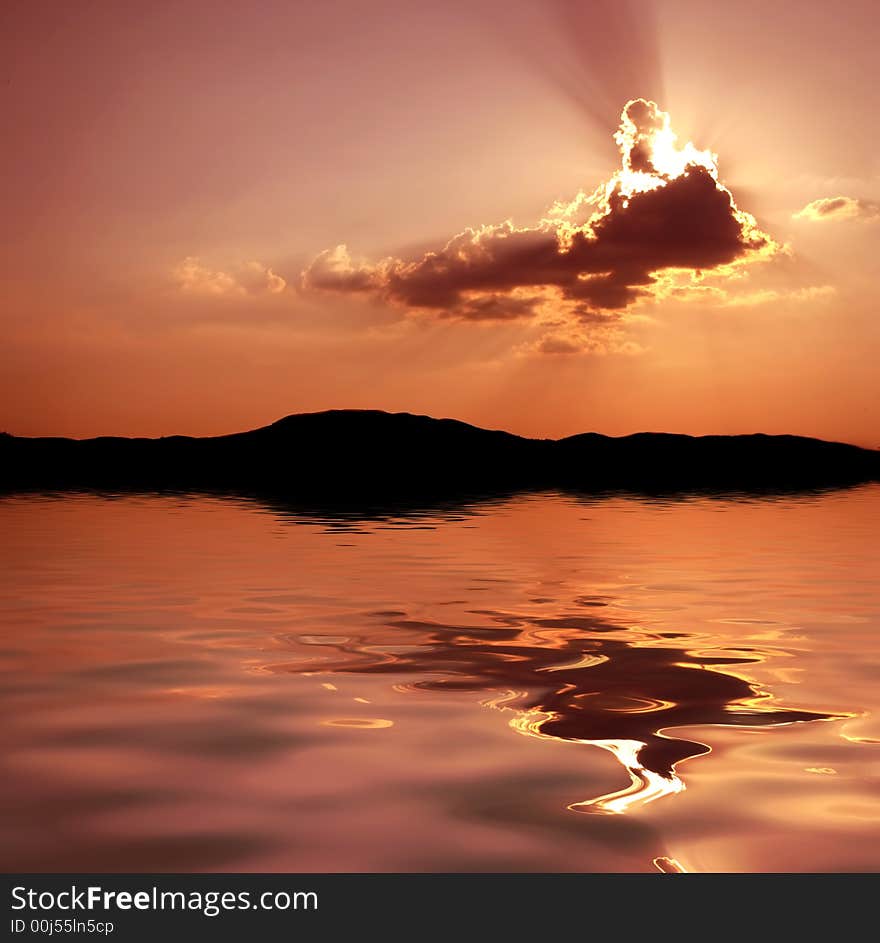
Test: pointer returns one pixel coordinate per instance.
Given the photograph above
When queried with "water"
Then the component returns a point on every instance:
(543, 683)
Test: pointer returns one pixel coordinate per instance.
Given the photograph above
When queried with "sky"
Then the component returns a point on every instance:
(217, 214)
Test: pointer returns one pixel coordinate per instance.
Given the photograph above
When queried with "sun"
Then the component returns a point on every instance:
(650, 154)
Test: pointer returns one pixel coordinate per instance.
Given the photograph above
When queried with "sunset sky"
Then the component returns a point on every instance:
(180, 178)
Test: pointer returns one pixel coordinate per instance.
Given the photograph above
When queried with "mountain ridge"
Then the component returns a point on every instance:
(357, 453)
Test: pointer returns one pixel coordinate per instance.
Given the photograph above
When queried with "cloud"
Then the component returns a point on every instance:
(770, 295)
(838, 208)
(718, 296)
(558, 344)
(334, 270)
(568, 342)
(593, 257)
(249, 279)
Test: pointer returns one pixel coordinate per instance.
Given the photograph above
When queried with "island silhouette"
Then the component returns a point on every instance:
(353, 455)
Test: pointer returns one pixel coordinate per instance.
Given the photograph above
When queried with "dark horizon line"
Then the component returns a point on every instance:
(367, 411)
(364, 455)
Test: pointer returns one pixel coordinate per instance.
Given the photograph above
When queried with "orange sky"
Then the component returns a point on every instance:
(171, 171)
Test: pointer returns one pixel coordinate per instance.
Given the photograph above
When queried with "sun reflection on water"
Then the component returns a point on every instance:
(579, 679)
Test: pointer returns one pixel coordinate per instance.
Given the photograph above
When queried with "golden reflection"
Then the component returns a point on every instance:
(202, 692)
(530, 722)
(586, 661)
(643, 705)
(854, 737)
(669, 865)
(646, 785)
(612, 687)
(366, 723)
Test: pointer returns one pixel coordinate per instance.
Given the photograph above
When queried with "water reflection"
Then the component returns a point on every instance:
(577, 678)
(206, 684)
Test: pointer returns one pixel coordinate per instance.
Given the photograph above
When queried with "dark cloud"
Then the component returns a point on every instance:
(689, 223)
(663, 210)
(496, 308)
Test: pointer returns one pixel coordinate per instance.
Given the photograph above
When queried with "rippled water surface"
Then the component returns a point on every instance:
(543, 683)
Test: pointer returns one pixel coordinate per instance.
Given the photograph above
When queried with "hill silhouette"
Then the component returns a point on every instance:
(357, 454)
